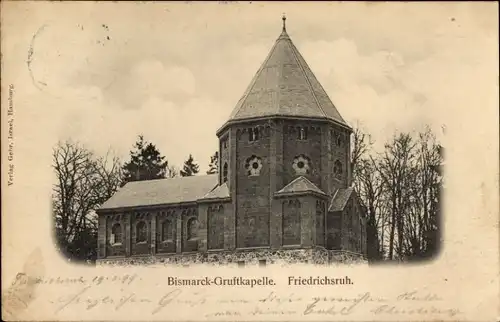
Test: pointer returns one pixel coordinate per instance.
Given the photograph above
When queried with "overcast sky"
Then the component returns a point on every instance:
(107, 72)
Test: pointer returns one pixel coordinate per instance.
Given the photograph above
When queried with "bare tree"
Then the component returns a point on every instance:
(395, 168)
(422, 224)
(83, 183)
(400, 190)
(361, 146)
(369, 186)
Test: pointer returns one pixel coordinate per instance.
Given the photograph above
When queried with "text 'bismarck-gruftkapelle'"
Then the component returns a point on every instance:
(220, 281)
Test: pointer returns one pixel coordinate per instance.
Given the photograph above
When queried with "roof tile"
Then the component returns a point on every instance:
(219, 192)
(161, 191)
(285, 86)
(340, 198)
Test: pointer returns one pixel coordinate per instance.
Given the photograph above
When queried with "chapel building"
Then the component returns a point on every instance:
(283, 191)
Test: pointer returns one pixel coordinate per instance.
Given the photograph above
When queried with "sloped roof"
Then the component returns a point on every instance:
(218, 192)
(285, 86)
(340, 198)
(161, 191)
(300, 184)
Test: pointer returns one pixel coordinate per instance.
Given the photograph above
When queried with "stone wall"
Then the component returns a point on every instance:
(318, 256)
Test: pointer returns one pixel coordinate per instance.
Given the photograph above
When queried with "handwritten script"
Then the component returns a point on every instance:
(129, 293)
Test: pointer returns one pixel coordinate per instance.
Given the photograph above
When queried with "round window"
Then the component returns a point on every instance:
(253, 165)
(301, 165)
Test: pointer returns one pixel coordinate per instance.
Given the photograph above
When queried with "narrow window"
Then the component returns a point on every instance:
(116, 234)
(291, 223)
(224, 173)
(337, 169)
(192, 227)
(141, 232)
(224, 143)
(167, 230)
(251, 136)
(302, 133)
(339, 139)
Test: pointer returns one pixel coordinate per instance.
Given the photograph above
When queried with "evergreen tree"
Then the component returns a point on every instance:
(213, 167)
(146, 163)
(190, 167)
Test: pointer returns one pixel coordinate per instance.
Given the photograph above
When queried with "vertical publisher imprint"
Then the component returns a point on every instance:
(10, 136)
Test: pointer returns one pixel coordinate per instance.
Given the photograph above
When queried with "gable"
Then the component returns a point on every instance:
(300, 185)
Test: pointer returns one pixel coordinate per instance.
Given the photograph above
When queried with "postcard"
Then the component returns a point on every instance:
(250, 161)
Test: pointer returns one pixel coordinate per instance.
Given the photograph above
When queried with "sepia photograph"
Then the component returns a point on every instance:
(250, 161)
(289, 180)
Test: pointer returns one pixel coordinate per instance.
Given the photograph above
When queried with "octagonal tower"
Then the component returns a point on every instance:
(284, 153)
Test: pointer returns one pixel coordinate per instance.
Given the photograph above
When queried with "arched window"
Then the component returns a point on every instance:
(337, 169)
(167, 230)
(302, 133)
(141, 232)
(215, 223)
(224, 173)
(192, 228)
(338, 139)
(116, 234)
(291, 222)
(253, 134)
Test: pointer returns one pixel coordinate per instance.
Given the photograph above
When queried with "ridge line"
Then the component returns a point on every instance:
(254, 80)
(324, 91)
(294, 49)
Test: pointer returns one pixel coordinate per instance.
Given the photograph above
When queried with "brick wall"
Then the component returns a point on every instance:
(117, 248)
(224, 157)
(101, 236)
(166, 243)
(215, 226)
(351, 226)
(252, 192)
(320, 223)
(333, 230)
(339, 151)
(253, 217)
(311, 148)
(191, 223)
(308, 221)
(143, 247)
(291, 222)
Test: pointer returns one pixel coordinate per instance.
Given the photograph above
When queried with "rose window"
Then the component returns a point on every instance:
(253, 165)
(301, 164)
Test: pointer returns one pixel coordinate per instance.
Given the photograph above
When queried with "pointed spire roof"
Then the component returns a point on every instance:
(285, 86)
